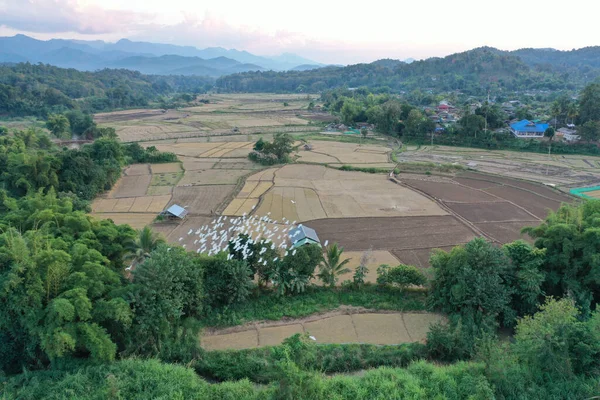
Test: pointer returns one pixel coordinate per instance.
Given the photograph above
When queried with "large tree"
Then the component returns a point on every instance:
(589, 104)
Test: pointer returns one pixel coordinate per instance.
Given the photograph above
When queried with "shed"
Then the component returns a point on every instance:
(175, 211)
(303, 235)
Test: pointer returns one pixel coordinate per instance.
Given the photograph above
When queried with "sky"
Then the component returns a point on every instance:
(327, 31)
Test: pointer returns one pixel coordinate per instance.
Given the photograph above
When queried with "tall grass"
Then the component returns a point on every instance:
(270, 306)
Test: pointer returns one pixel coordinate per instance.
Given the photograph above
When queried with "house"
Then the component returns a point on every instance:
(526, 129)
(568, 135)
(303, 235)
(175, 211)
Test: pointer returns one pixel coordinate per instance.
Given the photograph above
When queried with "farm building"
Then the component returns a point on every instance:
(528, 129)
(303, 235)
(569, 135)
(175, 211)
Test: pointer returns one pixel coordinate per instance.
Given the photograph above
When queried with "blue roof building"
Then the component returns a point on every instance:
(528, 129)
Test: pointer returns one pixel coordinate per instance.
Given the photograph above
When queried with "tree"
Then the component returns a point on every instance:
(293, 274)
(331, 267)
(589, 104)
(549, 133)
(570, 238)
(167, 293)
(469, 280)
(59, 125)
(144, 244)
(555, 342)
(226, 282)
(590, 131)
(259, 256)
(401, 276)
(362, 270)
(364, 132)
(472, 124)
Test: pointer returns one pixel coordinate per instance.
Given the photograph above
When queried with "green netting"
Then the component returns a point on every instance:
(581, 191)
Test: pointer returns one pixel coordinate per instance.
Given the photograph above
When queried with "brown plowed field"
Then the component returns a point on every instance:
(418, 257)
(450, 191)
(201, 199)
(392, 233)
(475, 183)
(506, 232)
(537, 205)
(532, 187)
(490, 212)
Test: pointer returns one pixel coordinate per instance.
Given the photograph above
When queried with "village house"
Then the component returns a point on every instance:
(526, 129)
(568, 135)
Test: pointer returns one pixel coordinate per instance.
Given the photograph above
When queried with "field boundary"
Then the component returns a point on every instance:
(463, 220)
(581, 191)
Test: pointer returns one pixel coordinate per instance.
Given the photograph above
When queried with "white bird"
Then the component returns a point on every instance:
(275, 259)
(313, 338)
(293, 202)
(180, 239)
(294, 252)
(326, 242)
(190, 231)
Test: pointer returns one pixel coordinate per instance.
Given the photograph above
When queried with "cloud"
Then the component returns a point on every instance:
(57, 16)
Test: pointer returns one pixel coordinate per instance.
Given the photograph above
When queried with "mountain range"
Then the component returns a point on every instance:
(145, 57)
(474, 72)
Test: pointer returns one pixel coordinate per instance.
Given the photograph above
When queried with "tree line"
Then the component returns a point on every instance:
(39, 90)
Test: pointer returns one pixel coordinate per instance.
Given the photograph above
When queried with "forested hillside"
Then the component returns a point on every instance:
(473, 72)
(39, 90)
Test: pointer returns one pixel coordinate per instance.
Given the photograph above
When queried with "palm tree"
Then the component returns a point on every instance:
(331, 267)
(139, 249)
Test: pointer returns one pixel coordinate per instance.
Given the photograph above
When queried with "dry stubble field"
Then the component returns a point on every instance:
(247, 114)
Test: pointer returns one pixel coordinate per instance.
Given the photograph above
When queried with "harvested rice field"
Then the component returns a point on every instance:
(336, 327)
(307, 192)
(222, 115)
(563, 171)
(135, 220)
(329, 152)
(374, 259)
(212, 177)
(201, 199)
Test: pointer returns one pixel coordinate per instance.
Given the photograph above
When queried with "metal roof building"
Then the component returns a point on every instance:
(528, 129)
(175, 211)
(303, 235)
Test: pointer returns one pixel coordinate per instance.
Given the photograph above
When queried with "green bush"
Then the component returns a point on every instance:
(261, 365)
(128, 379)
(401, 276)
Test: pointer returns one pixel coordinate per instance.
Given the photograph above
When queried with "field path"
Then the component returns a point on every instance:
(347, 325)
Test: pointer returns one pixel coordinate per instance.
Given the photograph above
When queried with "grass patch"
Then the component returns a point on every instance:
(314, 300)
(167, 179)
(428, 167)
(261, 365)
(368, 170)
(344, 139)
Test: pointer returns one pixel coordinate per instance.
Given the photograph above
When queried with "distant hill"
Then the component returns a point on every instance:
(179, 65)
(95, 55)
(473, 72)
(39, 90)
(388, 63)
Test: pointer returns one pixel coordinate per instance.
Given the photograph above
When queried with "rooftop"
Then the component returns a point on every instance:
(176, 211)
(303, 232)
(529, 126)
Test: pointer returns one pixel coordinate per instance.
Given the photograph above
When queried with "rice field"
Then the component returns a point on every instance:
(223, 115)
(330, 152)
(372, 328)
(307, 192)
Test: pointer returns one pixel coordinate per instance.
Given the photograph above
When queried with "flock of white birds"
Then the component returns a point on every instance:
(216, 236)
